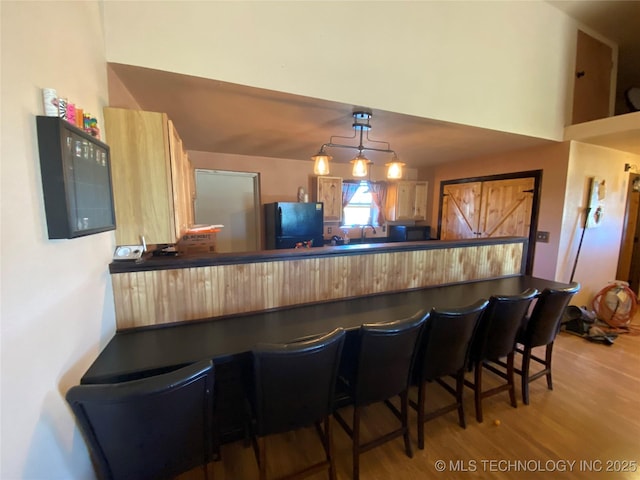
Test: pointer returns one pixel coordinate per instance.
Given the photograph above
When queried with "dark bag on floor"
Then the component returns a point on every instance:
(578, 319)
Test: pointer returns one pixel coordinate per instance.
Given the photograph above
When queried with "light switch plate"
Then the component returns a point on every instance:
(542, 237)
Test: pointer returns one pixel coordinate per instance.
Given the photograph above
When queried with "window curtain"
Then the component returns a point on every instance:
(379, 196)
(348, 191)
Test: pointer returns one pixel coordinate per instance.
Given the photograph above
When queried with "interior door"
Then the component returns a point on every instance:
(231, 199)
(505, 209)
(460, 210)
(592, 82)
(629, 258)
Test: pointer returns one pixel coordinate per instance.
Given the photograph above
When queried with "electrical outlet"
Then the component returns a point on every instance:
(329, 230)
(542, 237)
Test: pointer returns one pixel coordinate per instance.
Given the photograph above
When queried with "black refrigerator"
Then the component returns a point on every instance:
(293, 224)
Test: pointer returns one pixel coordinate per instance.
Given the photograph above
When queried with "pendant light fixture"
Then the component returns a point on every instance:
(321, 162)
(394, 169)
(360, 161)
(360, 166)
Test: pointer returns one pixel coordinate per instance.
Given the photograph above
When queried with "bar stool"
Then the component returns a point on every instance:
(383, 356)
(541, 329)
(152, 428)
(294, 388)
(496, 339)
(443, 351)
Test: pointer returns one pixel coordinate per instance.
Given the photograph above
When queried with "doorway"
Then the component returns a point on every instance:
(592, 83)
(231, 199)
(490, 207)
(629, 258)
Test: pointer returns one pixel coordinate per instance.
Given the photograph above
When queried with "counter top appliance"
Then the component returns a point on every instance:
(293, 225)
(406, 233)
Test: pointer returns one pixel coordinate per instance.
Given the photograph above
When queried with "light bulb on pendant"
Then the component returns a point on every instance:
(321, 163)
(360, 165)
(394, 169)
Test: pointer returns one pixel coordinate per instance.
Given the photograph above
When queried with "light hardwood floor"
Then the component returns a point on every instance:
(592, 418)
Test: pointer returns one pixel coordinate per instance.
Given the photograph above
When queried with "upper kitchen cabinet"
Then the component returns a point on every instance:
(152, 184)
(329, 192)
(407, 200)
(183, 182)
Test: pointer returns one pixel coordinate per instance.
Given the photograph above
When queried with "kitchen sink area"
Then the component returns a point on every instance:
(367, 234)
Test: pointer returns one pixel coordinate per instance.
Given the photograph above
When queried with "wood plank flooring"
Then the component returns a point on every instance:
(592, 418)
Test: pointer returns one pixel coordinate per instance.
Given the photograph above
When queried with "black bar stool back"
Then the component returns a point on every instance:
(443, 351)
(153, 428)
(384, 354)
(294, 388)
(541, 329)
(495, 340)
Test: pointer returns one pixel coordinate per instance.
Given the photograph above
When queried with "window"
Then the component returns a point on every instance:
(361, 209)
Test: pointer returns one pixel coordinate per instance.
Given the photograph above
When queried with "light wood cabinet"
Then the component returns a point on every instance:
(407, 200)
(329, 192)
(183, 185)
(152, 185)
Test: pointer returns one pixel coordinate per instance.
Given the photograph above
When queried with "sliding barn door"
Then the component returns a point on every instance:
(505, 209)
(494, 208)
(460, 210)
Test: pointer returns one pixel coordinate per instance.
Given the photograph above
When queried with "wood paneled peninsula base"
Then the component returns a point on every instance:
(169, 290)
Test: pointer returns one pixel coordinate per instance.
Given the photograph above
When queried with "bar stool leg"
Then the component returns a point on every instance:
(404, 407)
(526, 361)
(477, 390)
(262, 461)
(329, 445)
(510, 381)
(421, 406)
(356, 443)
(459, 390)
(547, 365)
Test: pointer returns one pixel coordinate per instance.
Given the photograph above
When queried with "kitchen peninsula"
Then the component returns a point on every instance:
(168, 290)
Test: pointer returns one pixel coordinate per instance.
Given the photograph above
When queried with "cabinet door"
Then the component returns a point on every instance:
(420, 201)
(460, 211)
(506, 207)
(330, 194)
(405, 201)
(189, 176)
(180, 182)
(141, 172)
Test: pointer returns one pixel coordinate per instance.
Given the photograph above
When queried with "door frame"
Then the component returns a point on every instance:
(629, 255)
(535, 206)
(255, 177)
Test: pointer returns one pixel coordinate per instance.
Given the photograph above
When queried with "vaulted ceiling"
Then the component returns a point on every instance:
(222, 117)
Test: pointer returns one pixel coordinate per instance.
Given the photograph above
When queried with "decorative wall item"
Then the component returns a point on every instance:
(76, 180)
(595, 211)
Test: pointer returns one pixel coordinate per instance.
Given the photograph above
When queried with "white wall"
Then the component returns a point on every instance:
(598, 259)
(500, 65)
(57, 305)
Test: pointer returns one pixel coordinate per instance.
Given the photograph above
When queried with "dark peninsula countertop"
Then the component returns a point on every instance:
(136, 353)
(149, 262)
